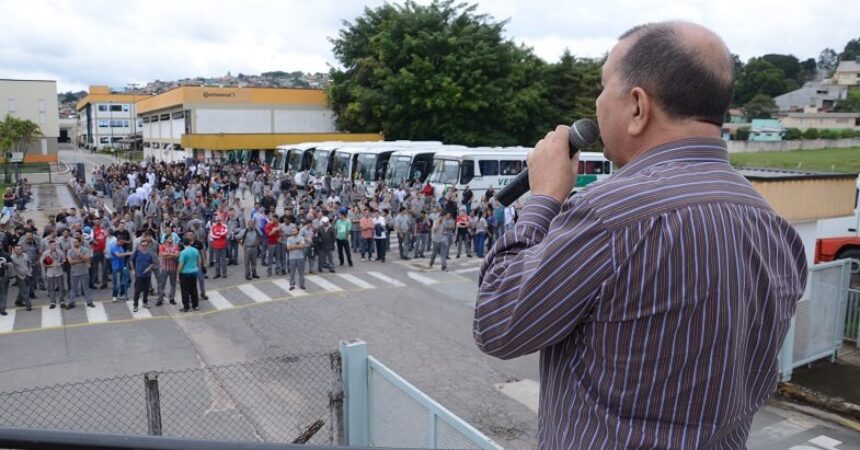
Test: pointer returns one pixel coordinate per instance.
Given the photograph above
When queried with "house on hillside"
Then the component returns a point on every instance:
(817, 96)
(848, 73)
(766, 130)
(822, 121)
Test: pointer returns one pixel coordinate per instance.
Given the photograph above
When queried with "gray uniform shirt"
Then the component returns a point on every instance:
(80, 268)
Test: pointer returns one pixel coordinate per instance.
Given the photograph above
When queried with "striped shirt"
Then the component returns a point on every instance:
(658, 300)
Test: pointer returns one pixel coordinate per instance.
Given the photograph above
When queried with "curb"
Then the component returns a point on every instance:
(835, 407)
(819, 414)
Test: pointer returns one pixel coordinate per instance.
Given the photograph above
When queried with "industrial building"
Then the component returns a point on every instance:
(237, 123)
(34, 100)
(106, 118)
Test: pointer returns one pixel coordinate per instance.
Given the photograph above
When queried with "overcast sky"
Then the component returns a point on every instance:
(83, 42)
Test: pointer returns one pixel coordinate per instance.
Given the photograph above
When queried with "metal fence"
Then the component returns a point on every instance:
(384, 410)
(852, 317)
(817, 328)
(279, 399)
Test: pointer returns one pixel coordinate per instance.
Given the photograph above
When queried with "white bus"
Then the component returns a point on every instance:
(413, 163)
(483, 167)
(295, 157)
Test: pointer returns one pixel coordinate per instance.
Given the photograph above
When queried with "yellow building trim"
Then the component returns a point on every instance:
(809, 199)
(110, 98)
(266, 141)
(232, 95)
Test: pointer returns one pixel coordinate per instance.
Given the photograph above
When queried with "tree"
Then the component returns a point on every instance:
(742, 134)
(573, 85)
(793, 134)
(810, 69)
(437, 71)
(760, 107)
(851, 51)
(16, 135)
(788, 64)
(827, 61)
(851, 103)
(760, 77)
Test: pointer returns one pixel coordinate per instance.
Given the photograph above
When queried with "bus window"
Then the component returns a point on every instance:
(445, 172)
(510, 167)
(607, 167)
(468, 172)
(488, 168)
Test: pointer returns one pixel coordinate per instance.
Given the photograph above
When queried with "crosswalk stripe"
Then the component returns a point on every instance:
(467, 270)
(421, 279)
(143, 313)
(51, 317)
(97, 314)
(355, 280)
(283, 284)
(255, 294)
(7, 322)
(218, 301)
(322, 282)
(386, 279)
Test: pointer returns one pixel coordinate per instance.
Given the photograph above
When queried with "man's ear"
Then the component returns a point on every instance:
(640, 111)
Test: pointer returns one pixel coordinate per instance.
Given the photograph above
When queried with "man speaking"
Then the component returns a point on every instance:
(659, 298)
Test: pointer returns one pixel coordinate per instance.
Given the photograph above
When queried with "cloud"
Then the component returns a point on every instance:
(107, 42)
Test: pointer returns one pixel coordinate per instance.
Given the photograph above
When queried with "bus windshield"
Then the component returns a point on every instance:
(296, 160)
(340, 164)
(365, 167)
(445, 172)
(320, 165)
(398, 170)
(280, 159)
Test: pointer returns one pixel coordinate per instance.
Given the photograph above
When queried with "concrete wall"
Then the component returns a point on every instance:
(784, 146)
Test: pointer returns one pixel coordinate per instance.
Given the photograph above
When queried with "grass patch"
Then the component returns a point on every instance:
(845, 160)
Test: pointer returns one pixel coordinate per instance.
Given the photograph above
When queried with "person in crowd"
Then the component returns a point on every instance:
(79, 257)
(189, 264)
(250, 238)
(52, 265)
(343, 230)
(142, 263)
(326, 245)
(168, 252)
(296, 258)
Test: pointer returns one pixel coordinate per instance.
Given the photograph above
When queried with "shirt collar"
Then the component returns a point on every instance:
(684, 150)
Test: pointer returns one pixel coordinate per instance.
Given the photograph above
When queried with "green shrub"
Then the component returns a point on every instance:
(793, 134)
(742, 134)
(810, 133)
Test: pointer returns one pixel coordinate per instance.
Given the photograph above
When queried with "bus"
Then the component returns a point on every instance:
(295, 157)
(412, 163)
(483, 167)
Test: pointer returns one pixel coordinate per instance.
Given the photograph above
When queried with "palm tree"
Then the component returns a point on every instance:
(16, 135)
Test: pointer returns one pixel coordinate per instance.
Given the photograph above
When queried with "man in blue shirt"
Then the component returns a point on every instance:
(142, 262)
(118, 265)
(188, 267)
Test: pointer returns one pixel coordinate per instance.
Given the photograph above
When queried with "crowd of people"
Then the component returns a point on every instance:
(170, 224)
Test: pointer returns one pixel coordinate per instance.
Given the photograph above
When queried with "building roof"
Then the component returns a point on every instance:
(109, 98)
(234, 95)
(845, 115)
(770, 174)
(848, 66)
(761, 124)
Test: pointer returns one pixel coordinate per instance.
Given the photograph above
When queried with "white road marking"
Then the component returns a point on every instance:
(386, 279)
(322, 282)
(825, 442)
(52, 317)
(285, 285)
(467, 270)
(775, 433)
(97, 314)
(525, 391)
(255, 294)
(143, 313)
(426, 281)
(355, 280)
(7, 322)
(218, 301)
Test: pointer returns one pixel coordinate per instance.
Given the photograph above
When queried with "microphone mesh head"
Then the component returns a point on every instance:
(583, 133)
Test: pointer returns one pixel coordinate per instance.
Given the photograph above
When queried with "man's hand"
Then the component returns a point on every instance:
(552, 171)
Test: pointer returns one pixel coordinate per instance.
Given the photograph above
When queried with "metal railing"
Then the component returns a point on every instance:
(817, 328)
(281, 399)
(852, 317)
(384, 410)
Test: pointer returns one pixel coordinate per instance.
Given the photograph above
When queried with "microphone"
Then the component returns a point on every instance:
(583, 133)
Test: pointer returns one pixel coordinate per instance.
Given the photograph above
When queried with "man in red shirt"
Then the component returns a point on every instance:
(98, 268)
(273, 237)
(218, 236)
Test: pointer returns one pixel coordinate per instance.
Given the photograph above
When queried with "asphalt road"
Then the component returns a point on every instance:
(415, 320)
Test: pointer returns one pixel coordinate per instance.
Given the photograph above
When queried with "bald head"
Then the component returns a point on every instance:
(685, 67)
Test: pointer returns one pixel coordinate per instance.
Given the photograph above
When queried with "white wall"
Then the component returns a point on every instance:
(784, 146)
(304, 121)
(164, 127)
(178, 126)
(233, 121)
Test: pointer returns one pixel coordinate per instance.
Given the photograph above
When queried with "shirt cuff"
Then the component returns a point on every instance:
(539, 211)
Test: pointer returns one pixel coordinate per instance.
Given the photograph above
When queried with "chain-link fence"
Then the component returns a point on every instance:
(278, 399)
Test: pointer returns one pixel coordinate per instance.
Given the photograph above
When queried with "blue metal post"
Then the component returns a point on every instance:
(354, 357)
(786, 354)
